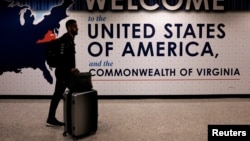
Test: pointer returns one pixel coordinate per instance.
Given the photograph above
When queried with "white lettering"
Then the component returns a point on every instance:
(230, 133)
(172, 8)
(90, 4)
(215, 132)
(216, 6)
(197, 4)
(131, 6)
(147, 7)
(114, 5)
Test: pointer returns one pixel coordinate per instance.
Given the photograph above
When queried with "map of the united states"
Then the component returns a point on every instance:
(23, 44)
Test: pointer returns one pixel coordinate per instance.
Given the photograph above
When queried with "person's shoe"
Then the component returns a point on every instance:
(54, 122)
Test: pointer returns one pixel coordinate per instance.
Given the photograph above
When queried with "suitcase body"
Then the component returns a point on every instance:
(80, 113)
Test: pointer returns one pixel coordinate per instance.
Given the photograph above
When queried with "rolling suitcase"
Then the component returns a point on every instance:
(80, 113)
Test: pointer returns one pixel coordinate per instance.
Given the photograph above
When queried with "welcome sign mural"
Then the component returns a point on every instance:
(131, 47)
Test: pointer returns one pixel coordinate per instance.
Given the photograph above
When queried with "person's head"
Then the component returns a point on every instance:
(71, 27)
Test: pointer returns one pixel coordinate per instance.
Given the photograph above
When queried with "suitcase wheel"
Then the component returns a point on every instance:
(65, 134)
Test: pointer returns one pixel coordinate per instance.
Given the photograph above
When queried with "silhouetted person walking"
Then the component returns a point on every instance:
(64, 69)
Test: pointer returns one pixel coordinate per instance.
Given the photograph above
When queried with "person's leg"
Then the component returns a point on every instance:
(57, 96)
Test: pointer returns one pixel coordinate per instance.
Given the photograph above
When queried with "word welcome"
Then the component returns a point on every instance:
(131, 5)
